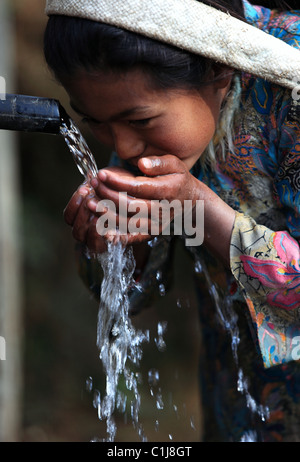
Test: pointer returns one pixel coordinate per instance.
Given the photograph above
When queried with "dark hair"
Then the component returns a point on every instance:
(72, 44)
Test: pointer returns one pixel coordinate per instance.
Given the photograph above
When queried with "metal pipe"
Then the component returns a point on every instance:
(31, 114)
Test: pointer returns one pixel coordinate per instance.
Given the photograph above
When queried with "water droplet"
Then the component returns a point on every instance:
(198, 267)
(153, 377)
(153, 242)
(192, 422)
(138, 287)
(175, 407)
(97, 399)
(159, 341)
(159, 401)
(249, 437)
(162, 290)
(89, 384)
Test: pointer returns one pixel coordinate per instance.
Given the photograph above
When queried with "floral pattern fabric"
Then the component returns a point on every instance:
(263, 178)
(266, 264)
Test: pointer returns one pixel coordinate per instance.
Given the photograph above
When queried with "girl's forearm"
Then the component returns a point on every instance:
(219, 219)
(218, 224)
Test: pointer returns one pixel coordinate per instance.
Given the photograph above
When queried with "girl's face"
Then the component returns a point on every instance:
(128, 115)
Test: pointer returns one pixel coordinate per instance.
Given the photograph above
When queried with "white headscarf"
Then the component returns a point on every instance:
(195, 27)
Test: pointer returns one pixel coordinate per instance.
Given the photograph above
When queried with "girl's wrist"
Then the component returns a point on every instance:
(219, 220)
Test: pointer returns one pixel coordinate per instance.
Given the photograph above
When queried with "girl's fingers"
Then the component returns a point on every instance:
(130, 223)
(94, 242)
(161, 165)
(116, 200)
(77, 214)
(74, 204)
(163, 173)
(81, 223)
(94, 225)
(136, 187)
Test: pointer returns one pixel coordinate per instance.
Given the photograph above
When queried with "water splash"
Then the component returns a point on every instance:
(229, 320)
(159, 340)
(225, 311)
(155, 390)
(243, 387)
(117, 338)
(249, 437)
(79, 148)
(89, 384)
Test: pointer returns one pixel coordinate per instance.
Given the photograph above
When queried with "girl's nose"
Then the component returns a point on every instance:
(128, 143)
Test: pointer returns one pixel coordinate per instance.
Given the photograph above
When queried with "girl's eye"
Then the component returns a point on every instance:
(140, 122)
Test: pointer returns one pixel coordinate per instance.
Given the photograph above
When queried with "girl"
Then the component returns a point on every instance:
(185, 127)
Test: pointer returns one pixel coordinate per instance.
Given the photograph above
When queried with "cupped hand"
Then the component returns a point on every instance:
(166, 178)
(78, 215)
(83, 213)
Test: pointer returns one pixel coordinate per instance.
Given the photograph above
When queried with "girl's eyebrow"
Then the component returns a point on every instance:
(120, 115)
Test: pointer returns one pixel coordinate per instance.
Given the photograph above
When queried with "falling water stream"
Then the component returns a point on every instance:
(229, 320)
(82, 154)
(117, 339)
